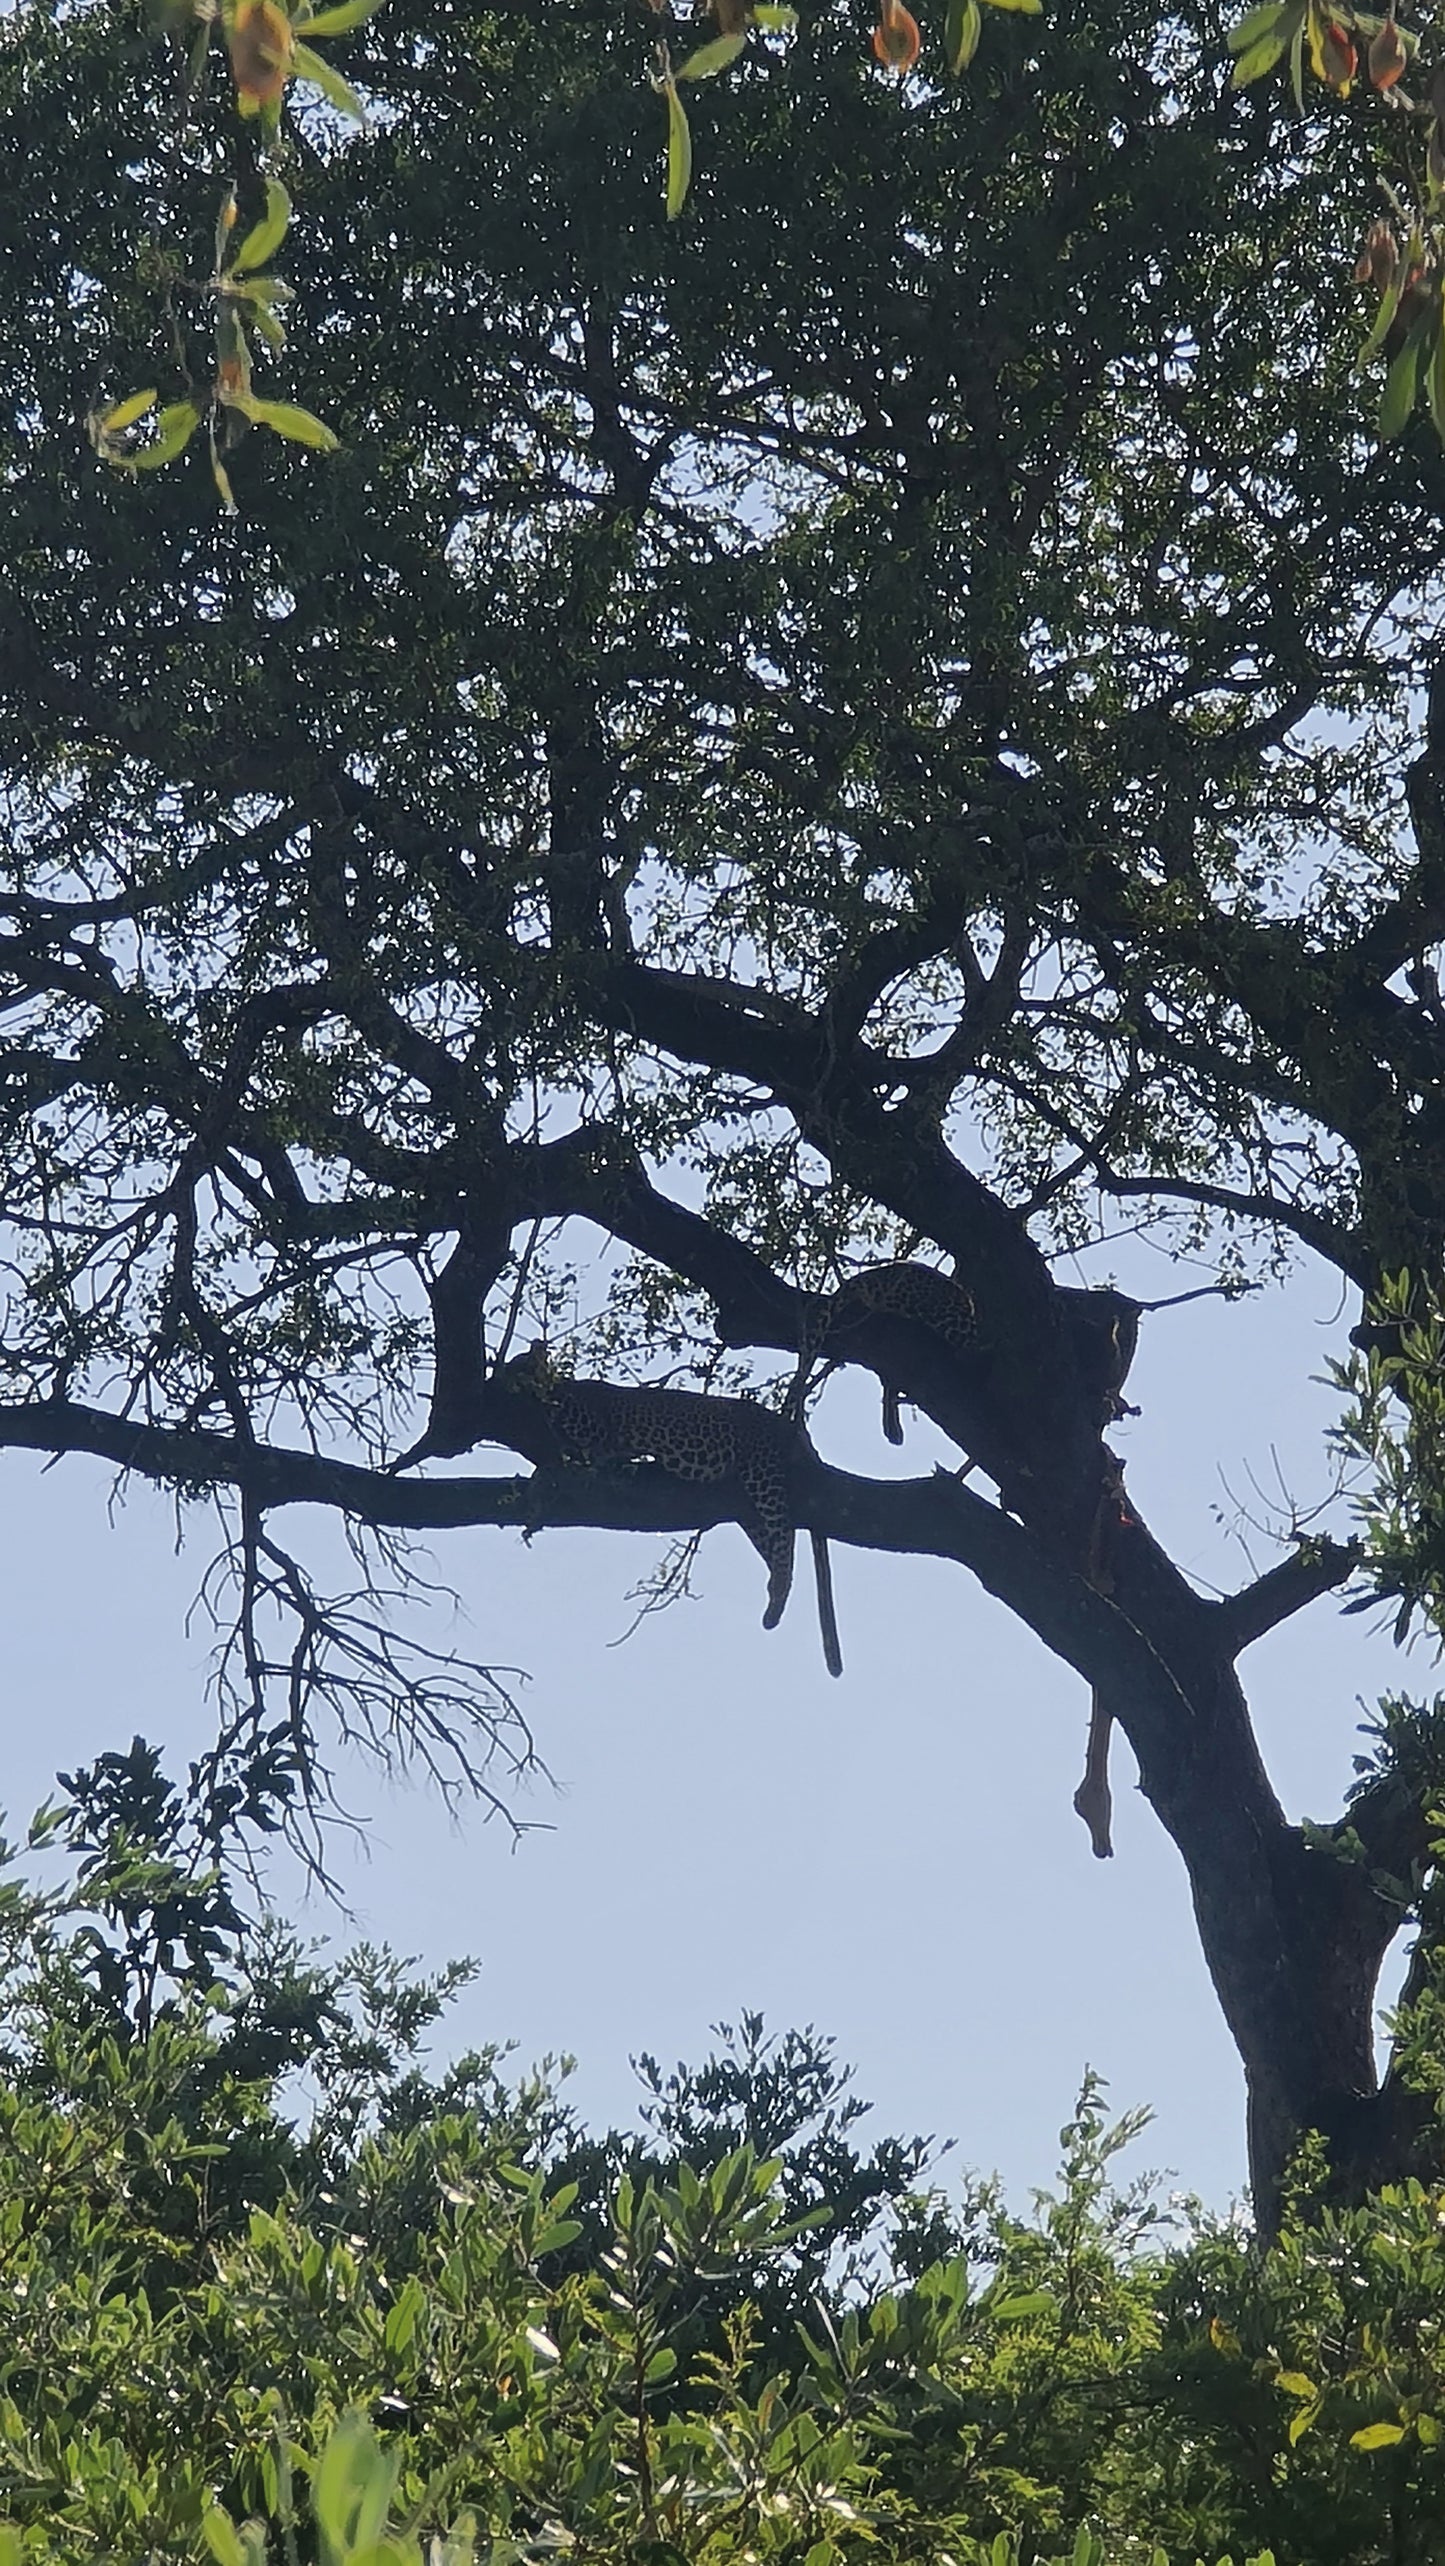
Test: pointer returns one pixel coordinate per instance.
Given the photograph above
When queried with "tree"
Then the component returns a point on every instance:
(873, 723)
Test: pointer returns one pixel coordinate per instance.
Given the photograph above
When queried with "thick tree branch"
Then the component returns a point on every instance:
(936, 1517)
(1312, 1570)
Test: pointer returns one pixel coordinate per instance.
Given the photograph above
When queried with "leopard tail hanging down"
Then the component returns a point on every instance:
(827, 1612)
(776, 1548)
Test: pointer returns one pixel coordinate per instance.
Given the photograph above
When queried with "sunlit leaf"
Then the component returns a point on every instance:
(1262, 56)
(1295, 2384)
(288, 421)
(221, 2537)
(174, 429)
(269, 327)
(712, 58)
(1377, 2436)
(774, 20)
(341, 20)
(1389, 306)
(265, 237)
(1257, 23)
(126, 412)
(679, 152)
(352, 2488)
(337, 92)
(961, 31)
(223, 483)
(1401, 385)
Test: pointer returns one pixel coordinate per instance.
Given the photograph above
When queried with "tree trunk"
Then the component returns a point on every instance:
(1293, 1927)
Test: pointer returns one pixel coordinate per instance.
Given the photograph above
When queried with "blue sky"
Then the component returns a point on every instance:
(893, 1858)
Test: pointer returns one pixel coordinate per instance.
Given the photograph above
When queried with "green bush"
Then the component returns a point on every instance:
(267, 2289)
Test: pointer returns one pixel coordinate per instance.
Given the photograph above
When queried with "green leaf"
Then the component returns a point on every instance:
(1022, 2303)
(287, 421)
(1401, 385)
(773, 19)
(264, 239)
(712, 58)
(269, 327)
(1389, 306)
(222, 480)
(679, 152)
(660, 2367)
(126, 413)
(1029, 8)
(174, 429)
(1297, 66)
(401, 2323)
(1299, 2424)
(1377, 2436)
(351, 2490)
(221, 2537)
(341, 20)
(962, 28)
(561, 2232)
(1295, 2384)
(1435, 394)
(1260, 58)
(337, 92)
(1256, 23)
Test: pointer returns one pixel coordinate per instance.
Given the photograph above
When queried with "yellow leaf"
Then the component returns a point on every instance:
(961, 31)
(338, 93)
(1295, 2384)
(266, 236)
(712, 58)
(288, 421)
(223, 484)
(679, 152)
(126, 413)
(1377, 2436)
(341, 20)
(175, 427)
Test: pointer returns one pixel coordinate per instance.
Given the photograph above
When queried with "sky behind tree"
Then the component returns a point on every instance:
(893, 1858)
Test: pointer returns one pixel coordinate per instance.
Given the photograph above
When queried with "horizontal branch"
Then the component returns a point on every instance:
(935, 1517)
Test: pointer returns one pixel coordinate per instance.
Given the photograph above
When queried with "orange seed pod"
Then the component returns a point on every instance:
(1379, 257)
(1337, 56)
(896, 40)
(1387, 56)
(261, 43)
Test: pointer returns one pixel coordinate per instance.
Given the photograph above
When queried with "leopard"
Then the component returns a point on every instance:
(693, 1437)
(897, 1291)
